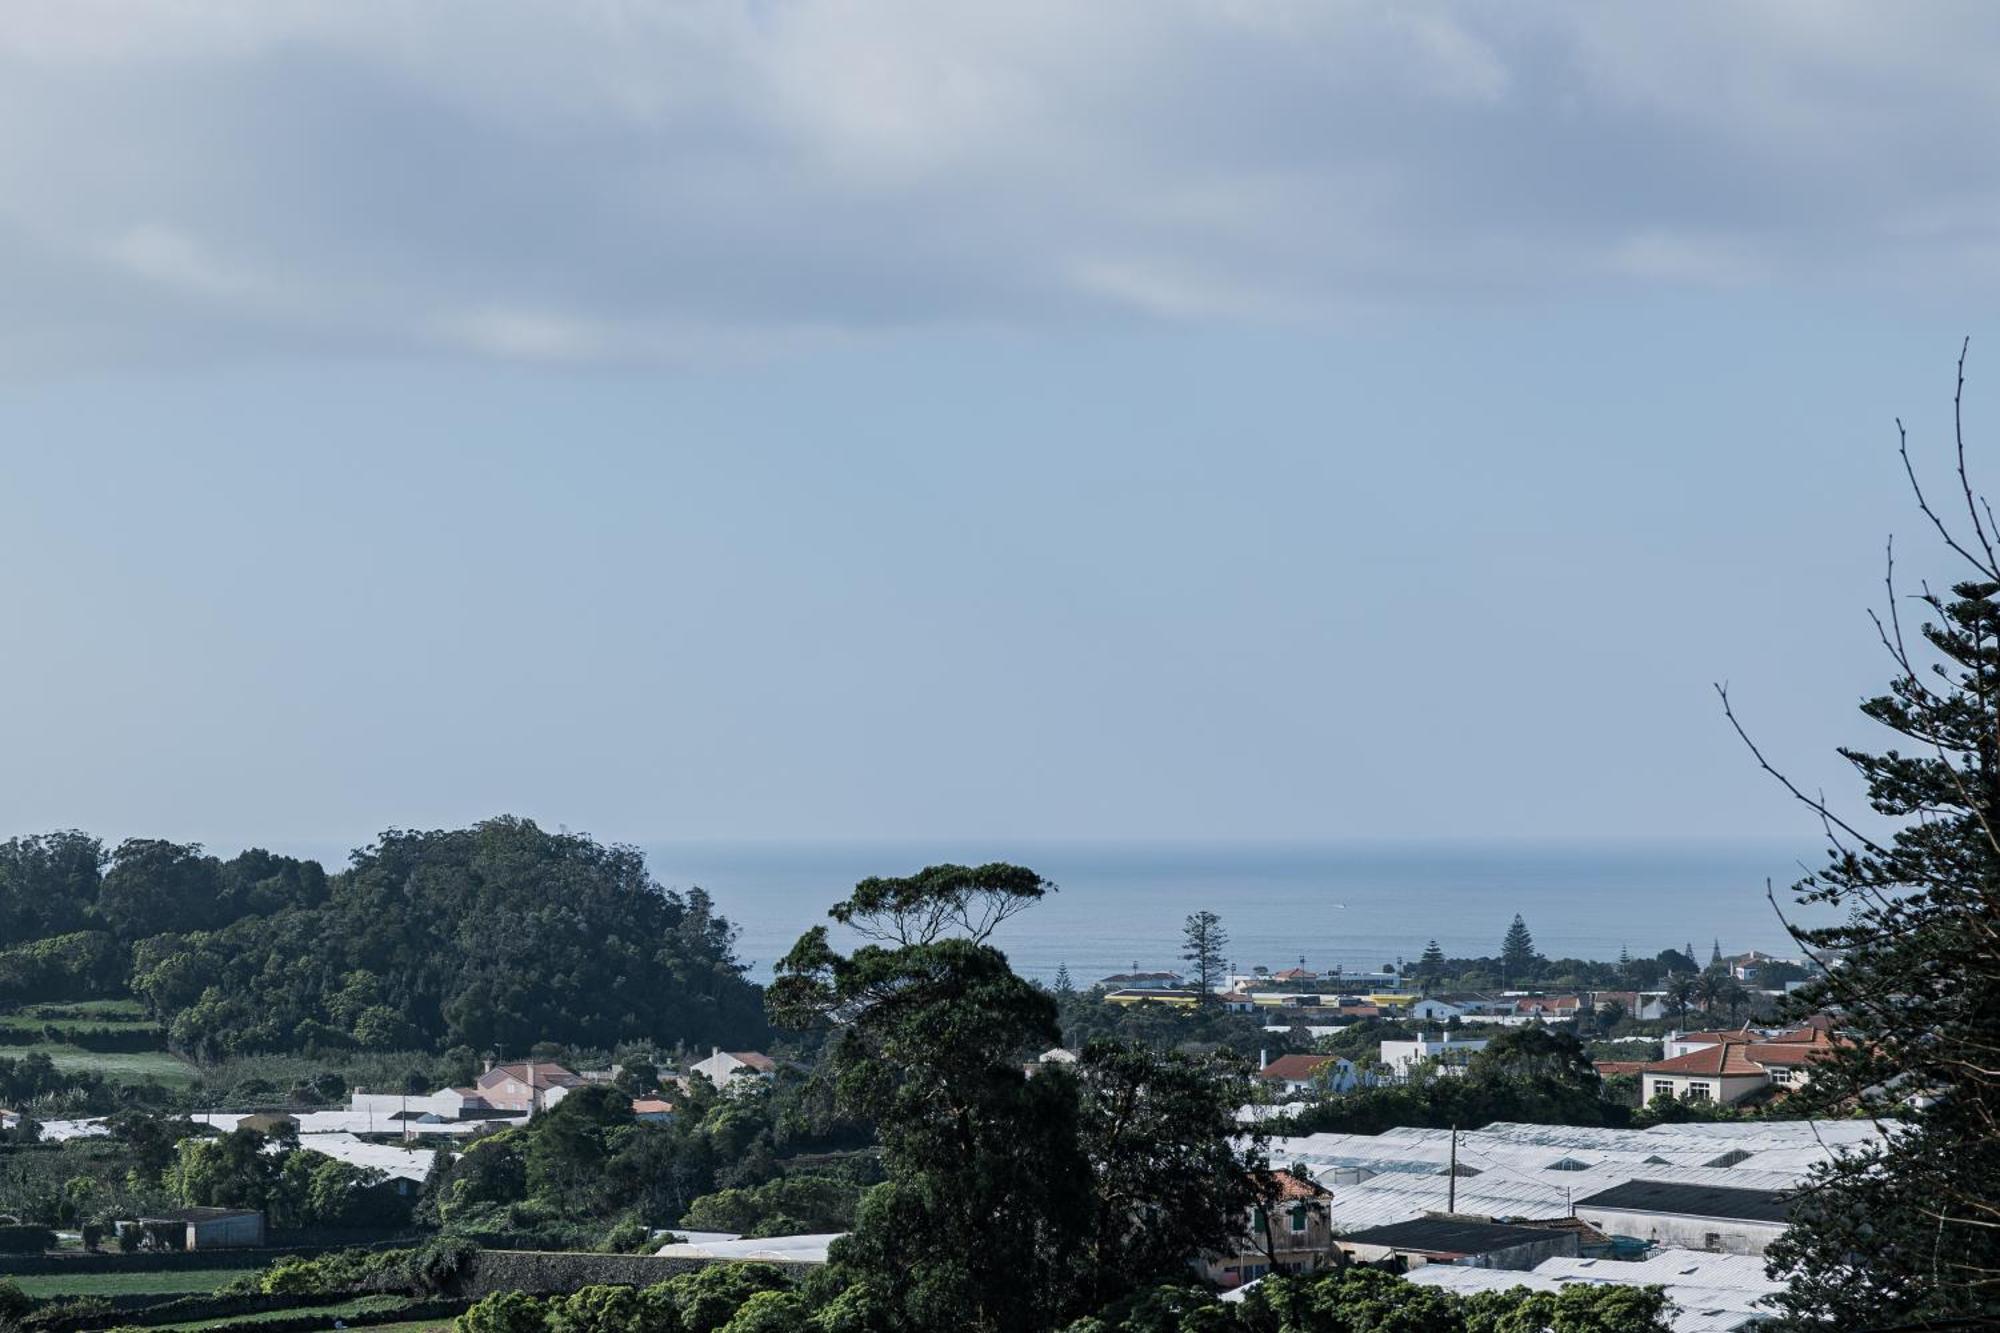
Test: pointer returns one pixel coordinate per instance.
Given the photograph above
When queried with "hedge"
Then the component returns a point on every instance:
(26, 1239)
(164, 1261)
(548, 1272)
(408, 1312)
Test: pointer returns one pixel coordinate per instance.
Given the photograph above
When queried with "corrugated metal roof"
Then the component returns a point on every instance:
(1693, 1200)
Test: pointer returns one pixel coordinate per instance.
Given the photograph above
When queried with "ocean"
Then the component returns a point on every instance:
(1120, 906)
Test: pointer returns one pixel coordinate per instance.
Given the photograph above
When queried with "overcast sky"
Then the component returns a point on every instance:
(813, 418)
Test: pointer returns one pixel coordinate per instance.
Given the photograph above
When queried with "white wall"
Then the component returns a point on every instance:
(1718, 1235)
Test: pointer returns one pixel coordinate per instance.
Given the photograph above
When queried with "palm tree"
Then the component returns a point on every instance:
(1735, 996)
(1680, 994)
(1708, 989)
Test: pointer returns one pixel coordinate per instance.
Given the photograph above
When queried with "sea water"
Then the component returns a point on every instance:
(1120, 906)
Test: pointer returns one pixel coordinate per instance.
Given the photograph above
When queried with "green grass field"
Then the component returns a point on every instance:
(344, 1310)
(123, 1067)
(172, 1282)
(415, 1326)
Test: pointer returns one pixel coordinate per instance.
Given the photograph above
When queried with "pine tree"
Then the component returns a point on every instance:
(1715, 955)
(1517, 951)
(1430, 967)
(1063, 984)
(1910, 1231)
(1203, 942)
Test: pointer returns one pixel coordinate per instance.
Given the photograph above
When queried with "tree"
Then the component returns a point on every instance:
(1430, 967)
(1064, 986)
(987, 1196)
(1168, 1181)
(1674, 961)
(1202, 943)
(1680, 994)
(1517, 951)
(1909, 1231)
(938, 901)
(155, 886)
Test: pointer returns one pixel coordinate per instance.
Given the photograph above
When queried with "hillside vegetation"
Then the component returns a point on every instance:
(490, 938)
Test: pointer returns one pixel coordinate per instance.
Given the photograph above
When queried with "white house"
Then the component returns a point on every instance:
(724, 1068)
(1402, 1057)
(1308, 1073)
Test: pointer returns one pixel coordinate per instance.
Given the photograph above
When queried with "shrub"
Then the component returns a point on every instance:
(93, 1235)
(770, 1312)
(706, 1300)
(628, 1236)
(26, 1239)
(129, 1236)
(603, 1310)
(505, 1312)
(13, 1301)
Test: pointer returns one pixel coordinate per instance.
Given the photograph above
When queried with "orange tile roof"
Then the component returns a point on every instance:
(1727, 1058)
(1294, 1068)
(1790, 1052)
(1608, 1068)
(1288, 1186)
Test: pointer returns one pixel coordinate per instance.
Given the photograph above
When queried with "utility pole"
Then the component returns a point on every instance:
(1451, 1190)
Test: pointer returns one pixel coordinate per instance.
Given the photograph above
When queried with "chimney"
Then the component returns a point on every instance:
(1263, 1056)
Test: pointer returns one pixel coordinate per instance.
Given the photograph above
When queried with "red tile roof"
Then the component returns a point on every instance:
(546, 1075)
(1727, 1058)
(1285, 1185)
(1609, 1068)
(1294, 1068)
(1790, 1052)
(651, 1106)
(757, 1060)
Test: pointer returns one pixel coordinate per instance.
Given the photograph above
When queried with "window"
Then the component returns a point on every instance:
(1257, 1218)
(1700, 1092)
(1298, 1217)
(1780, 1074)
(1713, 1241)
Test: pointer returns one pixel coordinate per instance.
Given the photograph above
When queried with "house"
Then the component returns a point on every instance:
(271, 1124)
(1723, 1219)
(1403, 1057)
(209, 1228)
(10, 1119)
(1142, 981)
(1723, 1073)
(528, 1087)
(725, 1068)
(1289, 1230)
(1737, 1065)
(1548, 1006)
(1307, 1073)
(1684, 1043)
(1473, 1242)
(1180, 999)
(651, 1110)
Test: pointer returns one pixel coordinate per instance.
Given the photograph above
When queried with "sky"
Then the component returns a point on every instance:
(818, 419)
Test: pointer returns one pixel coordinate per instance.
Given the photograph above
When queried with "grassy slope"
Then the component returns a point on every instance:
(172, 1282)
(120, 1066)
(344, 1310)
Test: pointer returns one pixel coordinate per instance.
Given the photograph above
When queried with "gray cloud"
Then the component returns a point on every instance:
(611, 180)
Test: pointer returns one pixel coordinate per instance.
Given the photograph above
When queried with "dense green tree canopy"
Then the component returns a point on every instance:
(494, 937)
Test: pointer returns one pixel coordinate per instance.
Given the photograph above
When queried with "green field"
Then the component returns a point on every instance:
(415, 1326)
(344, 1310)
(123, 1067)
(171, 1282)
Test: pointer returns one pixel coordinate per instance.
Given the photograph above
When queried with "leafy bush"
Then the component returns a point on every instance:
(505, 1312)
(13, 1301)
(26, 1239)
(708, 1299)
(770, 1312)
